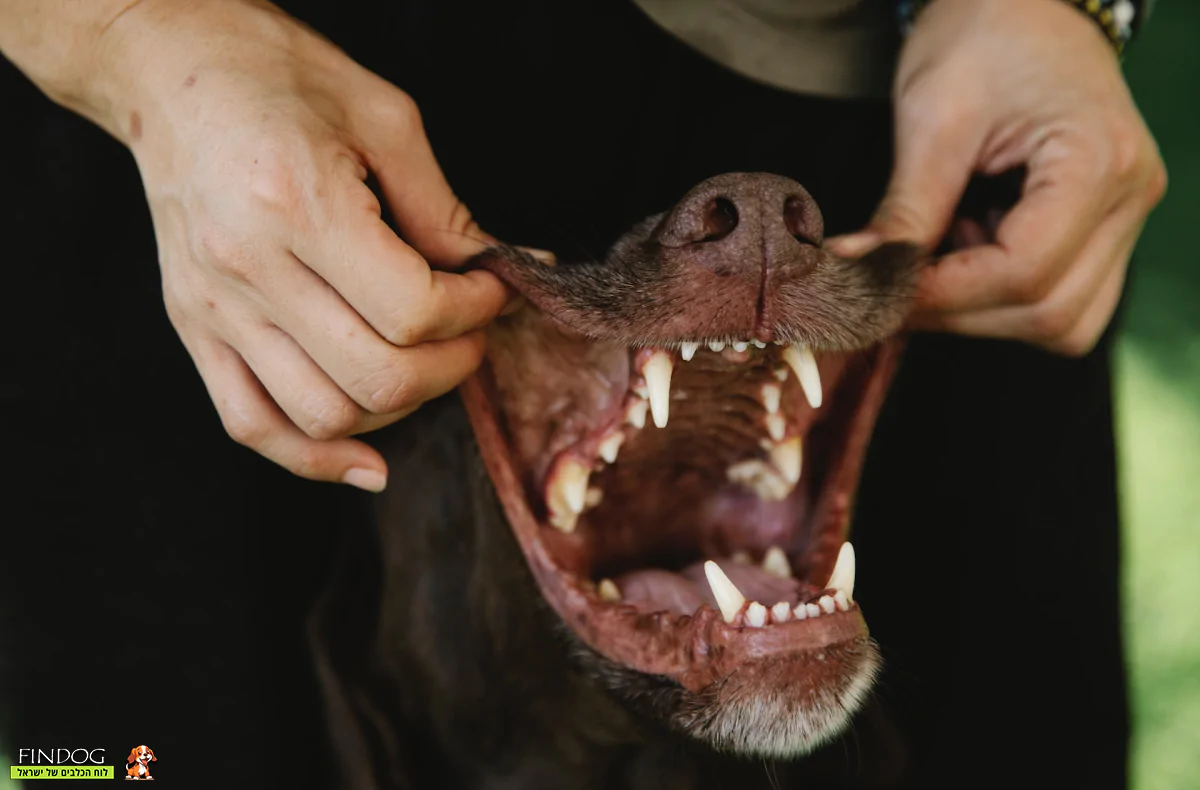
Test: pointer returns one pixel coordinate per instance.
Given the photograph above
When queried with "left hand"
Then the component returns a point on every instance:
(984, 86)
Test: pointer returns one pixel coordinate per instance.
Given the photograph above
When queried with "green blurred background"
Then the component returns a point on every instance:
(1158, 414)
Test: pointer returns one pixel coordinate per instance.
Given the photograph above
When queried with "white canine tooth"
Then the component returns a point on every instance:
(756, 615)
(688, 350)
(771, 395)
(781, 612)
(826, 603)
(758, 344)
(801, 360)
(594, 497)
(781, 374)
(740, 345)
(776, 426)
(842, 577)
(608, 591)
(657, 371)
(611, 444)
(788, 458)
(568, 493)
(840, 599)
(812, 609)
(800, 612)
(775, 563)
(635, 413)
(716, 345)
(729, 598)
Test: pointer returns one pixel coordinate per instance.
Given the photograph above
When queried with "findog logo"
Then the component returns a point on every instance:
(137, 766)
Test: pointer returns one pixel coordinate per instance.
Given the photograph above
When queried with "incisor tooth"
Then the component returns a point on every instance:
(610, 444)
(812, 609)
(740, 345)
(688, 350)
(842, 577)
(781, 612)
(771, 395)
(756, 615)
(775, 562)
(800, 612)
(657, 372)
(635, 413)
(826, 603)
(716, 345)
(788, 459)
(801, 360)
(758, 344)
(729, 598)
(568, 492)
(608, 590)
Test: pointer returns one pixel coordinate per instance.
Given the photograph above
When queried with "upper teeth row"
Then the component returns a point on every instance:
(688, 350)
(660, 365)
(732, 602)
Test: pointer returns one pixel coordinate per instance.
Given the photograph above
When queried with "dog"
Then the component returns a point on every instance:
(137, 765)
(626, 538)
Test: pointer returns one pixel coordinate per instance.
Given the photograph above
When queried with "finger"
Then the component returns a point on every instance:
(388, 283)
(430, 216)
(1062, 201)
(252, 419)
(306, 394)
(1087, 332)
(1052, 322)
(936, 152)
(380, 377)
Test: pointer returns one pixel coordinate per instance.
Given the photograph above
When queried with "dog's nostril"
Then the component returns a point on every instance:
(720, 218)
(801, 221)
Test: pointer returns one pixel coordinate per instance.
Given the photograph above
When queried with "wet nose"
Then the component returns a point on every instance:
(737, 214)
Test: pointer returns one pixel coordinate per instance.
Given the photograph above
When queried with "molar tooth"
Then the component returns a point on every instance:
(800, 612)
(688, 350)
(756, 615)
(781, 374)
(567, 493)
(740, 345)
(771, 395)
(657, 371)
(801, 360)
(840, 599)
(760, 477)
(788, 458)
(729, 598)
(781, 612)
(716, 345)
(740, 557)
(611, 443)
(842, 577)
(812, 609)
(594, 497)
(826, 603)
(775, 562)
(776, 426)
(608, 591)
(635, 413)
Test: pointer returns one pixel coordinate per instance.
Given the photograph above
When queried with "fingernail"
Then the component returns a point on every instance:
(853, 245)
(367, 479)
(516, 304)
(545, 256)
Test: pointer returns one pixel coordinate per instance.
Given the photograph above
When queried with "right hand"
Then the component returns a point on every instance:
(307, 317)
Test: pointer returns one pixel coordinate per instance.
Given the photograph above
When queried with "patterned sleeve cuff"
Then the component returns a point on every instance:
(1119, 19)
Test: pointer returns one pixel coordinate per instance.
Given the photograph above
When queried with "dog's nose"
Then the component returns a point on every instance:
(738, 214)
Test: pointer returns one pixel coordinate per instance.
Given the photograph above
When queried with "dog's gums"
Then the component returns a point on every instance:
(675, 434)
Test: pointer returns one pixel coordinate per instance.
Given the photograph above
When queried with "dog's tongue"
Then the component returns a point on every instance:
(683, 591)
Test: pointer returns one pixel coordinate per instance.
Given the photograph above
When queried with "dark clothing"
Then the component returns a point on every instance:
(156, 575)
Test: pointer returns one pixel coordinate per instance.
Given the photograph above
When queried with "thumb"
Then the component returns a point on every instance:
(935, 157)
(429, 215)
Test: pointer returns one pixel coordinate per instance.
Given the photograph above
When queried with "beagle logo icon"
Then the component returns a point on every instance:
(138, 764)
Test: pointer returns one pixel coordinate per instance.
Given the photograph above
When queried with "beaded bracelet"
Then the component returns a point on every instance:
(1119, 19)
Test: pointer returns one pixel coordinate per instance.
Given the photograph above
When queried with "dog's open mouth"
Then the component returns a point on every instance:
(676, 434)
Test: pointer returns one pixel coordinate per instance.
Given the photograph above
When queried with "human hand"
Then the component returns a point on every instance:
(306, 316)
(987, 85)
